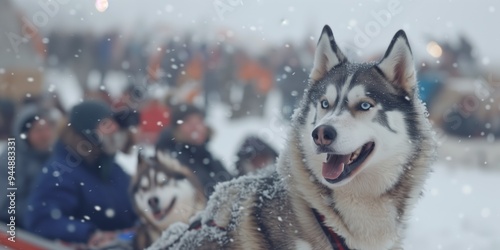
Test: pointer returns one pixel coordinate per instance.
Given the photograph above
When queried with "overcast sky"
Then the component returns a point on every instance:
(279, 20)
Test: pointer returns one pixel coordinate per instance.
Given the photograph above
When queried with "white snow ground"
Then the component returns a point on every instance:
(460, 210)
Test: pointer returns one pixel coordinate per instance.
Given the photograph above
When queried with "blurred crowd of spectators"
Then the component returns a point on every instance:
(71, 187)
(196, 71)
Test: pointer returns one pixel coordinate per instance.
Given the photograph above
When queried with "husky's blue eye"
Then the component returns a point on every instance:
(365, 106)
(325, 104)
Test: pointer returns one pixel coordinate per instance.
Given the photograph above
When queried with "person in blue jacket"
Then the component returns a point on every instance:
(82, 194)
(34, 132)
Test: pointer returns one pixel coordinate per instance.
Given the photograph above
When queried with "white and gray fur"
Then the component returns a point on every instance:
(371, 206)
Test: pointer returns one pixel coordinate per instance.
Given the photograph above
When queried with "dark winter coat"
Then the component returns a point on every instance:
(77, 194)
(207, 169)
(28, 166)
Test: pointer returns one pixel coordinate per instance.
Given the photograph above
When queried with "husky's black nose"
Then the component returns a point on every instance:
(324, 135)
(153, 202)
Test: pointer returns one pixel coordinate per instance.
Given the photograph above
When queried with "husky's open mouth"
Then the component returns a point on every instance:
(339, 167)
(160, 214)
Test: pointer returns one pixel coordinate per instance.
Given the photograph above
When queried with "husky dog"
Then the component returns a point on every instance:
(357, 156)
(163, 192)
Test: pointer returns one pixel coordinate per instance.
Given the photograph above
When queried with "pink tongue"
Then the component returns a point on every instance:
(334, 166)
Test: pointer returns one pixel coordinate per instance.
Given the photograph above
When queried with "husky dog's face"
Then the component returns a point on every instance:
(162, 193)
(356, 119)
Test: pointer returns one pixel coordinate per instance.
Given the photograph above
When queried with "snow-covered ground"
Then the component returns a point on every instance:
(460, 210)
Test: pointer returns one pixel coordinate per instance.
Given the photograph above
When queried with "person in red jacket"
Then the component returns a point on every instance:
(154, 116)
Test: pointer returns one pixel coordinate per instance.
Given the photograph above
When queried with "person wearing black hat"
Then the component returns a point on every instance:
(186, 139)
(81, 195)
(35, 132)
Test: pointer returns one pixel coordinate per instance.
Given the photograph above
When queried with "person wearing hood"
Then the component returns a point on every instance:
(81, 195)
(187, 140)
(34, 131)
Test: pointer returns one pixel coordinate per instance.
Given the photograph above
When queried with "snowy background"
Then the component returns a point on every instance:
(461, 206)
(279, 20)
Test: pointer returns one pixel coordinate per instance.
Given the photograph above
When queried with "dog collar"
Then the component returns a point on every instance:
(337, 242)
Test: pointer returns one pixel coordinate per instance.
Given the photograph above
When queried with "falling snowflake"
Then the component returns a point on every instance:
(206, 161)
(485, 212)
(55, 214)
(466, 189)
(110, 213)
(71, 228)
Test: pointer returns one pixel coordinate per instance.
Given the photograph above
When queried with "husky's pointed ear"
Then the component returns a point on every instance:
(327, 55)
(164, 157)
(397, 64)
(141, 162)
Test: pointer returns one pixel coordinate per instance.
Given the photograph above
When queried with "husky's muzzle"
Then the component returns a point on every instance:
(338, 167)
(157, 212)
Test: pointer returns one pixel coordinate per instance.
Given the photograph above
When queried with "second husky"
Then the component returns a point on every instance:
(163, 192)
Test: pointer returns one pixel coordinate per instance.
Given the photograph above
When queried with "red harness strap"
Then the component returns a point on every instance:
(337, 242)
